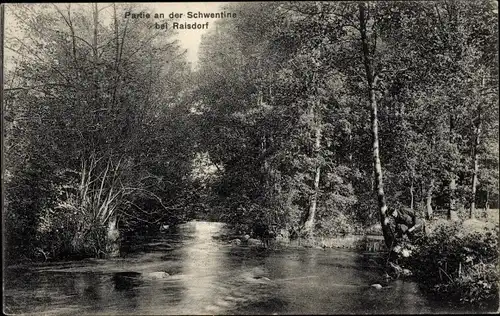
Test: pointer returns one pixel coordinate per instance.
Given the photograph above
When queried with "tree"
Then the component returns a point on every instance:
(87, 92)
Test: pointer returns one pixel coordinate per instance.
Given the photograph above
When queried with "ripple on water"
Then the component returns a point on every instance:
(208, 276)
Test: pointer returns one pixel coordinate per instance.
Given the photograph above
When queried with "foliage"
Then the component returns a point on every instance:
(305, 91)
(458, 264)
(336, 224)
(87, 137)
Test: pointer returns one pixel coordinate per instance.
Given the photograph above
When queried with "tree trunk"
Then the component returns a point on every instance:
(475, 174)
(94, 39)
(412, 194)
(117, 57)
(372, 82)
(379, 184)
(309, 223)
(412, 188)
(113, 238)
(452, 186)
(95, 75)
(452, 208)
(476, 158)
(372, 180)
(487, 203)
(350, 157)
(428, 201)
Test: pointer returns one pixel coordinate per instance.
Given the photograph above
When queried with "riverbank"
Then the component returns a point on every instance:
(458, 261)
(371, 243)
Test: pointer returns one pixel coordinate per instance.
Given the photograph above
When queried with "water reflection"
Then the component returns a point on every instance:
(206, 276)
(203, 269)
(126, 281)
(127, 284)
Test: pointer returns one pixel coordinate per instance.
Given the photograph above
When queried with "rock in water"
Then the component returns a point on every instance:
(236, 242)
(258, 271)
(376, 286)
(261, 280)
(254, 242)
(157, 275)
(246, 238)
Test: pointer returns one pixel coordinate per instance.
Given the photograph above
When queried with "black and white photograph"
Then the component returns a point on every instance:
(250, 158)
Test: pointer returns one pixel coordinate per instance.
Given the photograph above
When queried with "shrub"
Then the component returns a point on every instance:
(27, 193)
(64, 232)
(336, 225)
(458, 264)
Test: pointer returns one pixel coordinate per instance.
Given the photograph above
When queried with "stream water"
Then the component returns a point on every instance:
(209, 276)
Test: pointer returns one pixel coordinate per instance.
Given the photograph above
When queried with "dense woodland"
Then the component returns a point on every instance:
(316, 117)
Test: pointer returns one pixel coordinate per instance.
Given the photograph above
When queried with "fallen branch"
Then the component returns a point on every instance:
(441, 270)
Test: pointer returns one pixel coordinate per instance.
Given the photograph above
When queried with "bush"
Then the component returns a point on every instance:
(336, 225)
(27, 193)
(62, 229)
(65, 232)
(458, 264)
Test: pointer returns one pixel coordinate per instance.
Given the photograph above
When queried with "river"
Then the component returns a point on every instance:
(209, 276)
